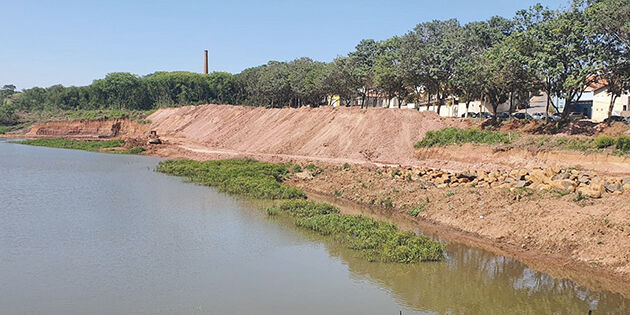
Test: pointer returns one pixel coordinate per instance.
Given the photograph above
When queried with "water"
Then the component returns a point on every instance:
(90, 233)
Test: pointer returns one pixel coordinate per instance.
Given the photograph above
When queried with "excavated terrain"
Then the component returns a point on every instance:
(587, 232)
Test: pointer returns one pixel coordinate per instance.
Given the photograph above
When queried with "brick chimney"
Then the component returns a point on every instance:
(205, 61)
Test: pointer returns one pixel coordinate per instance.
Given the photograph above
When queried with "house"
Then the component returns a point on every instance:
(595, 101)
(601, 103)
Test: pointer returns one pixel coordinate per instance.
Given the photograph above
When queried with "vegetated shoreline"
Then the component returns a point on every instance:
(193, 132)
(375, 239)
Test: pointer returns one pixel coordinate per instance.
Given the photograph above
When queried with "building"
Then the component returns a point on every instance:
(595, 102)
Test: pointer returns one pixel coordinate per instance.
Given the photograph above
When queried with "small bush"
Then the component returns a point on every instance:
(623, 144)
(337, 193)
(604, 142)
(387, 203)
(313, 169)
(296, 169)
(396, 172)
(415, 211)
(346, 166)
(459, 136)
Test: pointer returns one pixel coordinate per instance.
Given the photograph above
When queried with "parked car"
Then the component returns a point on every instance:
(538, 116)
(576, 116)
(503, 115)
(485, 115)
(522, 116)
(615, 118)
(470, 115)
(555, 117)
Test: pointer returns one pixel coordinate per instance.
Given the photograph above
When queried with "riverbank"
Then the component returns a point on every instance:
(549, 229)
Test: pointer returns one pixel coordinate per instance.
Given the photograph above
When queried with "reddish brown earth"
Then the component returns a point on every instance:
(588, 241)
(86, 129)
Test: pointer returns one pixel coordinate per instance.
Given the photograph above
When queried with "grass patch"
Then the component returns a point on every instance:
(74, 144)
(623, 144)
(604, 142)
(449, 136)
(377, 240)
(136, 150)
(238, 176)
(415, 211)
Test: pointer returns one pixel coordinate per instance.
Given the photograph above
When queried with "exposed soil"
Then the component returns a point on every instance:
(587, 240)
(590, 237)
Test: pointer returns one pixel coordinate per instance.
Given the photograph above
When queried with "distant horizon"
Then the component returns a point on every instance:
(73, 43)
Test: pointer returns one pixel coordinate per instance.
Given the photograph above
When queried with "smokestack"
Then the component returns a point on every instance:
(205, 61)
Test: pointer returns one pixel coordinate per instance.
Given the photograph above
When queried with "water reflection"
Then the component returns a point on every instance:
(474, 281)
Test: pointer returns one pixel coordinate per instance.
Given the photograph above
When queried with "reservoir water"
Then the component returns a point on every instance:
(91, 233)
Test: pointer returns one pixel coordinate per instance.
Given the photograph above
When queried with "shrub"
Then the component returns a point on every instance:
(604, 142)
(296, 169)
(396, 172)
(623, 144)
(314, 169)
(239, 176)
(415, 211)
(387, 203)
(459, 136)
(377, 240)
(346, 166)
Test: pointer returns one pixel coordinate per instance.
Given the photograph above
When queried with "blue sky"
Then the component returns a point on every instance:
(74, 42)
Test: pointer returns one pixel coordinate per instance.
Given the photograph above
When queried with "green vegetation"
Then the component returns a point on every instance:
(136, 150)
(313, 169)
(244, 177)
(396, 172)
(415, 211)
(449, 136)
(74, 144)
(623, 144)
(346, 166)
(377, 240)
(387, 203)
(604, 142)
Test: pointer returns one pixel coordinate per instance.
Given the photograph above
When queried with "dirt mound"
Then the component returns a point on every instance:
(340, 134)
(86, 129)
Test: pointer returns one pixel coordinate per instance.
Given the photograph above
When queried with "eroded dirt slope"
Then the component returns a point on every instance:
(338, 134)
(87, 129)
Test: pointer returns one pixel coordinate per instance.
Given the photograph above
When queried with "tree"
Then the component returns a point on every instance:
(361, 64)
(122, 90)
(608, 19)
(306, 81)
(429, 56)
(504, 70)
(477, 38)
(388, 75)
(340, 81)
(565, 53)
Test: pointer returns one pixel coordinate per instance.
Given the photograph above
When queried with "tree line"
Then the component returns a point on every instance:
(559, 52)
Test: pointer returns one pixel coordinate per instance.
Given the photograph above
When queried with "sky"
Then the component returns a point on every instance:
(74, 42)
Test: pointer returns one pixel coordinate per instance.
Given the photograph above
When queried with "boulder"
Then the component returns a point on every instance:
(563, 184)
(593, 190)
(613, 187)
(625, 181)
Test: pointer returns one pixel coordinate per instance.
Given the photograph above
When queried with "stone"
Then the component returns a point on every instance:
(625, 181)
(593, 191)
(561, 176)
(613, 187)
(521, 184)
(584, 179)
(563, 184)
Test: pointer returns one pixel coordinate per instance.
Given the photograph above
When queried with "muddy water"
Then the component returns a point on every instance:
(95, 233)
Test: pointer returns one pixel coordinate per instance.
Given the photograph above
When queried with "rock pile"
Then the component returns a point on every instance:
(567, 180)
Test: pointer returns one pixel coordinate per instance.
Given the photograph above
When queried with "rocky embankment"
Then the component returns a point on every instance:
(563, 180)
